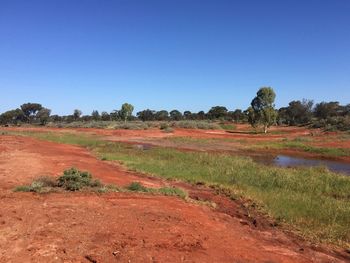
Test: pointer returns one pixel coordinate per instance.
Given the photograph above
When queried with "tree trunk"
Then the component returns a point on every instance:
(265, 129)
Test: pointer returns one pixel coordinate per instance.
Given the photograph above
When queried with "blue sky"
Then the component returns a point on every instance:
(167, 54)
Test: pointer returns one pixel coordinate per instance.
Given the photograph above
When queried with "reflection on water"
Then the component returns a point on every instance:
(289, 161)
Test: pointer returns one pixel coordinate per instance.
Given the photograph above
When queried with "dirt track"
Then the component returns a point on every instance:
(123, 227)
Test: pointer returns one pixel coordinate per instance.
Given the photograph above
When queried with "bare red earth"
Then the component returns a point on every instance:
(125, 227)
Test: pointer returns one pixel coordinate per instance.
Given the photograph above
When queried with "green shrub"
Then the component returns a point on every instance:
(168, 130)
(71, 180)
(164, 126)
(74, 180)
(137, 187)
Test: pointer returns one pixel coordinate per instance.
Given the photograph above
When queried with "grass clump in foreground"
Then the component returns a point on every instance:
(314, 201)
(167, 191)
(71, 180)
(75, 180)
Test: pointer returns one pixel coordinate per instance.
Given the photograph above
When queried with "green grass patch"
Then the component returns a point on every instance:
(227, 126)
(23, 188)
(137, 187)
(314, 201)
(167, 191)
(74, 180)
(173, 191)
(301, 144)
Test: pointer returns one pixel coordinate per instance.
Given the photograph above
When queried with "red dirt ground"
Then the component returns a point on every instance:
(155, 136)
(241, 133)
(126, 227)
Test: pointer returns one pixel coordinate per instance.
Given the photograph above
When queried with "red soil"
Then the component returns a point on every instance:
(241, 133)
(124, 227)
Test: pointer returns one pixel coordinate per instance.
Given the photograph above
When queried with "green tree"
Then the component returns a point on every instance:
(201, 115)
(126, 111)
(298, 112)
(43, 115)
(175, 115)
(217, 112)
(105, 116)
(30, 109)
(188, 115)
(326, 110)
(95, 115)
(12, 116)
(252, 117)
(264, 108)
(237, 115)
(162, 115)
(146, 115)
(76, 114)
(115, 115)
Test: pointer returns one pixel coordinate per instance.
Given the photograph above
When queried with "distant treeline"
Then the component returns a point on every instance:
(328, 115)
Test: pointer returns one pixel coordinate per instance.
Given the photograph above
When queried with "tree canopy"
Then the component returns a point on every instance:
(263, 108)
(126, 111)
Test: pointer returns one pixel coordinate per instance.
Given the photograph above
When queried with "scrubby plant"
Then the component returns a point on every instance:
(164, 126)
(40, 185)
(74, 180)
(137, 187)
(168, 130)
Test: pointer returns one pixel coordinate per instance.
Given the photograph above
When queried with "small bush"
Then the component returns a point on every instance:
(137, 187)
(74, 180)
(164, 126)
(47, 181)
(71, 180)
(168, 130)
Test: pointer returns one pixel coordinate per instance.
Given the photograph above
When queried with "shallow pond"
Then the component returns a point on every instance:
(290, 161)
(284, 160)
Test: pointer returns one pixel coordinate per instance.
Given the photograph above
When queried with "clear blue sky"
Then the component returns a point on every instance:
(166, 54)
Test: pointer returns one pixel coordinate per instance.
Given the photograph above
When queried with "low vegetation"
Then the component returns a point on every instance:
(71, 180)
(168, 191)
(75, 180)
(314, 201)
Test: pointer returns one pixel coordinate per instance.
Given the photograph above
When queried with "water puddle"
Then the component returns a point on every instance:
(289, 161)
